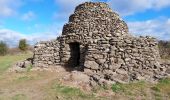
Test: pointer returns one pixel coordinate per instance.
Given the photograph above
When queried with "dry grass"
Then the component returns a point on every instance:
(46, 85)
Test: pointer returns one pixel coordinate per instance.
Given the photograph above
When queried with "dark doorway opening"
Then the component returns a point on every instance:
(75, 54)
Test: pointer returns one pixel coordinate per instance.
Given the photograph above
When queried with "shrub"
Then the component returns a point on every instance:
(164, 48)
(23, 44)
(3, 48)
(164, 44)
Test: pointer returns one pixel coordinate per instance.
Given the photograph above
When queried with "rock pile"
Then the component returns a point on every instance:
(21, 66)
(97, 41)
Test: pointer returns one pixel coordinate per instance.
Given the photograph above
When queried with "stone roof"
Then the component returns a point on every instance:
(90, 17)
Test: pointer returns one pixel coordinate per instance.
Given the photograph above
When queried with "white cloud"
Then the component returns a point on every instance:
(69, 5)
(8, 7)
(36, 37)
(160, 3)
(28, 16)
(12, 37)
(158, 28)
(123, 7)
(66, 7)
(129, 7)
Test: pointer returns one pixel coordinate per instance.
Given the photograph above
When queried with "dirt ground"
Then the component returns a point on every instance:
(58, 84)
(40, 85)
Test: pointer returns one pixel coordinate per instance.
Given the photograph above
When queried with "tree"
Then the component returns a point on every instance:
(23, 44)
(3, 48)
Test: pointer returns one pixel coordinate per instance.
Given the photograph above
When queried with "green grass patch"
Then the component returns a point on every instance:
(67, 90)
(19, 97)
(118, 87)
(131, 89)
(24, 78)
(8, 60)
(165, 81)
(156, 89)
(29, 68)
(70, 93)
(163, 87)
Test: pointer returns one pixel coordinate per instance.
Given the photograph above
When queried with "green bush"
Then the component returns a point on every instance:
(3, 48)
(23, 45)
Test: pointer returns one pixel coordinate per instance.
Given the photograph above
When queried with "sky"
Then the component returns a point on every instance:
(42, 20)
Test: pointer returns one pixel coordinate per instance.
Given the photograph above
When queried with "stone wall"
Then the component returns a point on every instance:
(124, 60)
(106, 51)
(46, 53)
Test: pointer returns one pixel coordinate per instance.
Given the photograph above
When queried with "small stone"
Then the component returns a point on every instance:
(91, 64)
(121, 71)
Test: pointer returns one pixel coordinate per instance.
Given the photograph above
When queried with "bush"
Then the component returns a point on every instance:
(3, 48)
(164, 49)
(23, 45)
(164, 44)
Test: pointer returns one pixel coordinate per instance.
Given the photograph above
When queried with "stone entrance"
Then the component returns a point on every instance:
(74, 54)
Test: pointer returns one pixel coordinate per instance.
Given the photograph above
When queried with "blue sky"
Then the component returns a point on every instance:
(38, 20)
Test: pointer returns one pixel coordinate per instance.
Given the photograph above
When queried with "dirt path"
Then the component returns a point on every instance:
(29, 85)
(37, 84)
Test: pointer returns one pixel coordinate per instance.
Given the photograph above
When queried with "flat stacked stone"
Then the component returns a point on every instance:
(46, 53)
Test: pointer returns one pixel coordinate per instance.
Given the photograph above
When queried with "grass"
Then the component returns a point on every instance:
(8, 60)
(126, 88)
(29, 68)
(69, 93)
(24, 78)
(117, 87)
(21, 86)
(163, 88)
(159, 91)
(19, 97)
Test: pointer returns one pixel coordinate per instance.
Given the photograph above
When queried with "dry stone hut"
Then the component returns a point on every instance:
(97, 42)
